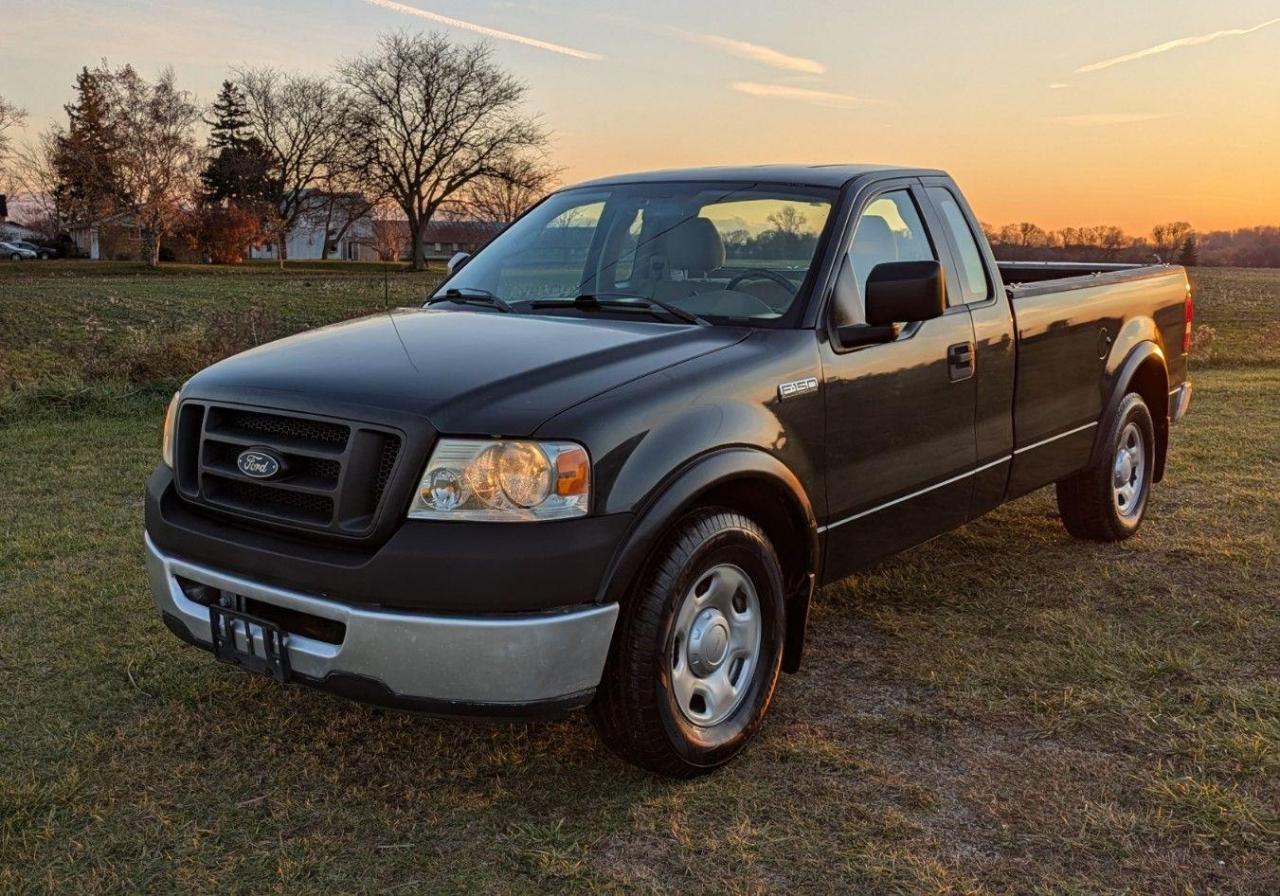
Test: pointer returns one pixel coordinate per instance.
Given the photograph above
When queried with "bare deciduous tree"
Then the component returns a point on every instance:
(500, 199)
(345, 198)
(1168, 238)
(34, 176)
(299, 122)
(390, 234)
(10, 116)
(430, 118)
(157, 159)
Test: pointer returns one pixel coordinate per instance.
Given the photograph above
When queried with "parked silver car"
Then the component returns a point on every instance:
(14, 252)
(42, 252)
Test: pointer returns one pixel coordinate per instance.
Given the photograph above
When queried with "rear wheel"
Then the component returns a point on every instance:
(1106, 502)
(696, 657)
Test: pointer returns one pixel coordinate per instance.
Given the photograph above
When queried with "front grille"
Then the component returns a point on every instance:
(292, 505)
(292, 428)
(333, 474)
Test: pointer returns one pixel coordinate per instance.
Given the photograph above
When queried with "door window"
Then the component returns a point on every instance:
(973, 274)
(890, 229)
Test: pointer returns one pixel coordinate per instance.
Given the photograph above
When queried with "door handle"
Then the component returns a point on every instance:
(960, 361)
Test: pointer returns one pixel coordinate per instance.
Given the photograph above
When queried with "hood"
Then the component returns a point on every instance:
(466, 372)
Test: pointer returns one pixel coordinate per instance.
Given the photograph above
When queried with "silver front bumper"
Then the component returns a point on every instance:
(503, 660)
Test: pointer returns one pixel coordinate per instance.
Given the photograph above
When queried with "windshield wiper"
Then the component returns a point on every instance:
(478, 296)
(625, 300)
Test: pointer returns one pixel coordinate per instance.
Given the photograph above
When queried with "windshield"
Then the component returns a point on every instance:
(728, 253)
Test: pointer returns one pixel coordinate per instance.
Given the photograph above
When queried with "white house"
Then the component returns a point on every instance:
(327, 221)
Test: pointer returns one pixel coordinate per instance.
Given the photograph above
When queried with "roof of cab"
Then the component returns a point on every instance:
(808, 175)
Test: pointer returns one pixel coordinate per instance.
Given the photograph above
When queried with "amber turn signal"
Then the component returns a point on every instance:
(573, 472)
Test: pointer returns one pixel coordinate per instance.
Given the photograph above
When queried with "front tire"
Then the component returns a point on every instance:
(1106, 502)
(696, 657)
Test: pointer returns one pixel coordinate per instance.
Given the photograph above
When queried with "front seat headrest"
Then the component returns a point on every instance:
(874, 240)
(695, 245)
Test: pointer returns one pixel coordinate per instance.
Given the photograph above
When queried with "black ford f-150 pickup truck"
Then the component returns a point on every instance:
(610, 459)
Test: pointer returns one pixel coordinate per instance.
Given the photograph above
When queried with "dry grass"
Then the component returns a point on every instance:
(1004, 710)
(65, 324)
(1242, 305)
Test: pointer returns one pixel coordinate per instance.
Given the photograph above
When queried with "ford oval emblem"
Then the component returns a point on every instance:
(258, 463)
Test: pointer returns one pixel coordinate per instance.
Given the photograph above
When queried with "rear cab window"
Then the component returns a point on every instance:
(973, 273)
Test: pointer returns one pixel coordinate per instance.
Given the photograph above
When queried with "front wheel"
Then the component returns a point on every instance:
(696, 658)
(15, 257)
(1106, 502)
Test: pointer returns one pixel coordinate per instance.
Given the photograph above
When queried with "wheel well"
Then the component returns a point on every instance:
(777, 513)
(1152, 383)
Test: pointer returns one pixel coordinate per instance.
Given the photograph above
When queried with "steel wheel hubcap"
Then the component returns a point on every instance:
(715, 645)
(1127, 472)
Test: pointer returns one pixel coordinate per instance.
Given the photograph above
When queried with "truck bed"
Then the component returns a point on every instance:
(1017, 275)
(1073, 321)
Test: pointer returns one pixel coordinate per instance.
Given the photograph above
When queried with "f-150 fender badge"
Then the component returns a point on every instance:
(797, 387)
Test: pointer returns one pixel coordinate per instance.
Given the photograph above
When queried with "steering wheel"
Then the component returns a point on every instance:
(762, 274)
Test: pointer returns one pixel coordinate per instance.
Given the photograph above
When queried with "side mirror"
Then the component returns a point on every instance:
(905, 292)
(897, 292)
(458, 262)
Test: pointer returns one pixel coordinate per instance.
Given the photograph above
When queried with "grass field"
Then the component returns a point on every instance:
(1003, 710)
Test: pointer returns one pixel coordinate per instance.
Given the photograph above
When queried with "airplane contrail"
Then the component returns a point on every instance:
(741, 48)
(485, 30)
(1095, 119)
(801, 95)
(1193, 41)
(755, 52)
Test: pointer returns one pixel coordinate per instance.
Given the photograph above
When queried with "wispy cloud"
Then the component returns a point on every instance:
(1101, 119)
(731, 46)
(1193, 41)
(484, 30)
(1059, 85)
(801, 95)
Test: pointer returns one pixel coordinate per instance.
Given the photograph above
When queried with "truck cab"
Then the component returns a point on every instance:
(611, 458)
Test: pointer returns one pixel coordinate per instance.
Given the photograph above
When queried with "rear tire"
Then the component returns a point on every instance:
(696, 657)
(1107, 501)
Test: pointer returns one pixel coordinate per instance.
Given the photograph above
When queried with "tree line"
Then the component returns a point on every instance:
(417, 129)
(1176, 242)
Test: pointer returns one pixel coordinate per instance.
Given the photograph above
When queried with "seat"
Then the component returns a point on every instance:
(694, 247)
(873, 244)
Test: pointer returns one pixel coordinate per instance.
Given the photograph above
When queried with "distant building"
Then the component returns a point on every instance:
(441, 240)
(115, 236)
(342, 221)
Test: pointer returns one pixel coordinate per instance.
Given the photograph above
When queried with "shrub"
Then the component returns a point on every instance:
(149, 354)
(1202, 343)
(222, 234)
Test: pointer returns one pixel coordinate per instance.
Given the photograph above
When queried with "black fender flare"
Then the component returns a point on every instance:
(672, 498)
(1117, 385)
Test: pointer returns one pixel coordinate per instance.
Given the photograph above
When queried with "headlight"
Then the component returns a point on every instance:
(504, 481)
(166, 437)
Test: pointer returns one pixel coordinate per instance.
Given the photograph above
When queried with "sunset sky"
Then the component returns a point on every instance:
(1098, 112)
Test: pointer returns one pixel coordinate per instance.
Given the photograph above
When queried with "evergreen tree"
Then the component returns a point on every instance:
(84, 155)
(238, 163)
(1189, 254)
(229, 119)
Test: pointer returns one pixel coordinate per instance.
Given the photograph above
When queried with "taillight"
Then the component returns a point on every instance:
(1188, 315)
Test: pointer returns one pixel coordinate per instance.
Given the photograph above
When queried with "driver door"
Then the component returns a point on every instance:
(900, 415)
